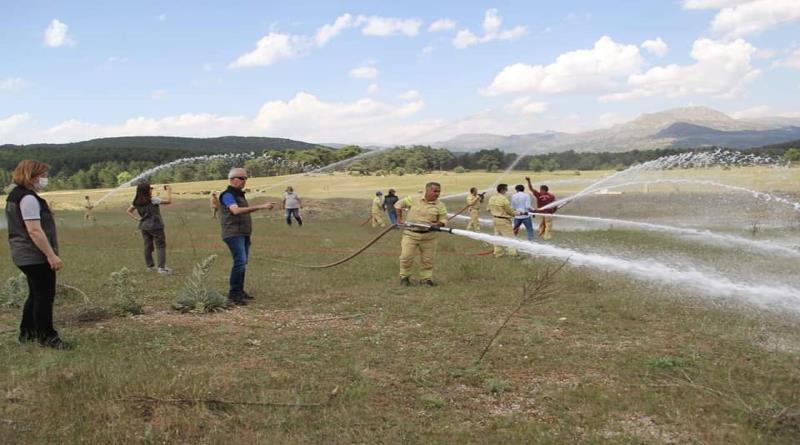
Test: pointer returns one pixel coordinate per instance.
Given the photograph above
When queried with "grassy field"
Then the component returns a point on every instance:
(604, 360)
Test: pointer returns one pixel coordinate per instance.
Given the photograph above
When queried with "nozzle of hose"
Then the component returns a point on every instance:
(426, 227)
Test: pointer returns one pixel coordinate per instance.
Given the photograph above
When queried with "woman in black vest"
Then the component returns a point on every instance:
(151, 224)
(34, 249)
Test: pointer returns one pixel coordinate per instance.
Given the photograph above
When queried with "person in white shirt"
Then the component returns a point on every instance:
(522, 204)
(292, 205)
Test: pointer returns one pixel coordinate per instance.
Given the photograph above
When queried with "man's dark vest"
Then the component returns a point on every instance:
(234, 225)
(23, 251)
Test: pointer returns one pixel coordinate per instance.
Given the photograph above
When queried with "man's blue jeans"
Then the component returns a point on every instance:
(393, 217)
(528, 223)
(240, 251)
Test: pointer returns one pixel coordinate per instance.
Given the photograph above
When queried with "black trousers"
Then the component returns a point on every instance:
(37, 314)
(158, 238)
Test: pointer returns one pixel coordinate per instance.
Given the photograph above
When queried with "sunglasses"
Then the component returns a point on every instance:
(241, 178)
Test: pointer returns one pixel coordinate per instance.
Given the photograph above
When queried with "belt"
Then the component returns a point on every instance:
(502, 217)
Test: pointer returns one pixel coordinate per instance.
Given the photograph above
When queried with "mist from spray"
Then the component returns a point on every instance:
(762, 295)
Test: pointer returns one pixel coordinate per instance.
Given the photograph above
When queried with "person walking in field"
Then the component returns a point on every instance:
(501, 211)
(474, 200)
(377, 210)
(423, 209)
(292, 204)
(214, 204)
(33, 244)
(146, 209)
(388, 203)
(237, 226)
(543, 198)
(88, 206)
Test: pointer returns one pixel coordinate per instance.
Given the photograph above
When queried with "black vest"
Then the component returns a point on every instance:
(150, 215)
(23, 251)
(234, 225)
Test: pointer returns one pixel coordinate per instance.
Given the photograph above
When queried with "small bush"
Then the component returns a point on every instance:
(15, 291)
(196, 296)
(125, 301)
(665, 362)
(431, 401)
(399, 171)
(459, 169)
(497, 386)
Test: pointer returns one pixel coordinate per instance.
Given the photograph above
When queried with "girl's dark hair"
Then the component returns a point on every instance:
(143, 195)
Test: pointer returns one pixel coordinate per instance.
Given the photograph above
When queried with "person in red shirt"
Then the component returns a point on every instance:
(543, 198)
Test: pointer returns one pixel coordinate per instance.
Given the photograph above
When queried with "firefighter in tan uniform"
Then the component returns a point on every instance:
(474, 200)
(502, 213)
(377, 210)
(424, 209)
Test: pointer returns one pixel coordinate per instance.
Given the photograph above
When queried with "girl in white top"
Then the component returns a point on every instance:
(292, 204)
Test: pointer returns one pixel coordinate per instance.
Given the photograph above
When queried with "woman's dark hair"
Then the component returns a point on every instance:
(143, 195)
(502, 188)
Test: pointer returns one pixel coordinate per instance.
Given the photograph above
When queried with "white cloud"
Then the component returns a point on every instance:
(12, 84)
(722, 70)
(526, 105)
(585, 70)
(364, 72)
(10, 124)
(428, 50)
(792, 61)
(327, 32)
(409, 95)
(158, 94)
(657, 47)
(161, 17)
(373, 88)
(492, 23)
(442, 25)
(739, 18)
(752, 112)
(277, 46)
(711, 4)
(465, 38)
(57, 34)
(303, 117)
(271, 48)
(386, 26)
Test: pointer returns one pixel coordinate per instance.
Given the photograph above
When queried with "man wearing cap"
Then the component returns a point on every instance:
(377, 210)
(236, 229)
(501, 211)
(423, 209)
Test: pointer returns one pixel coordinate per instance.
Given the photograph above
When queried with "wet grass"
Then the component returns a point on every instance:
(607, 360)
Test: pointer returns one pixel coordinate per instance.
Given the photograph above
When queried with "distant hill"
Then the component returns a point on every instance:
(226, 144)
(686, 135)
(69, 158)
(675, 128)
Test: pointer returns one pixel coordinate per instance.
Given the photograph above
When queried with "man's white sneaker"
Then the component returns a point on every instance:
(164, 270)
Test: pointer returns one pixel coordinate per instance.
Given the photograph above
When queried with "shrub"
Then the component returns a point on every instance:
(459, 169)
(15, 291)
(497, 386)
(399, 171)
(125, 301)
(196, 296)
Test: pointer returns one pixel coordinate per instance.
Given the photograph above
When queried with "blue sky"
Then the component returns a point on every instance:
(385, 72)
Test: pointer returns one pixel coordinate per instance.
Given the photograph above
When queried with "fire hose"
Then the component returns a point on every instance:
(417, 227)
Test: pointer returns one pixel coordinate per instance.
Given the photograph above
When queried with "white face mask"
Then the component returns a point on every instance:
(41, 183)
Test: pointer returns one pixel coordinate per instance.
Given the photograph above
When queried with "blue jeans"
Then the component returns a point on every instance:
(240, 251)
(528, 223)
(296, 214)
(393, 217)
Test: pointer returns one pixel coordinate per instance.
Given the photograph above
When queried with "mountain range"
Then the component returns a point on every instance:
(675, 128)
